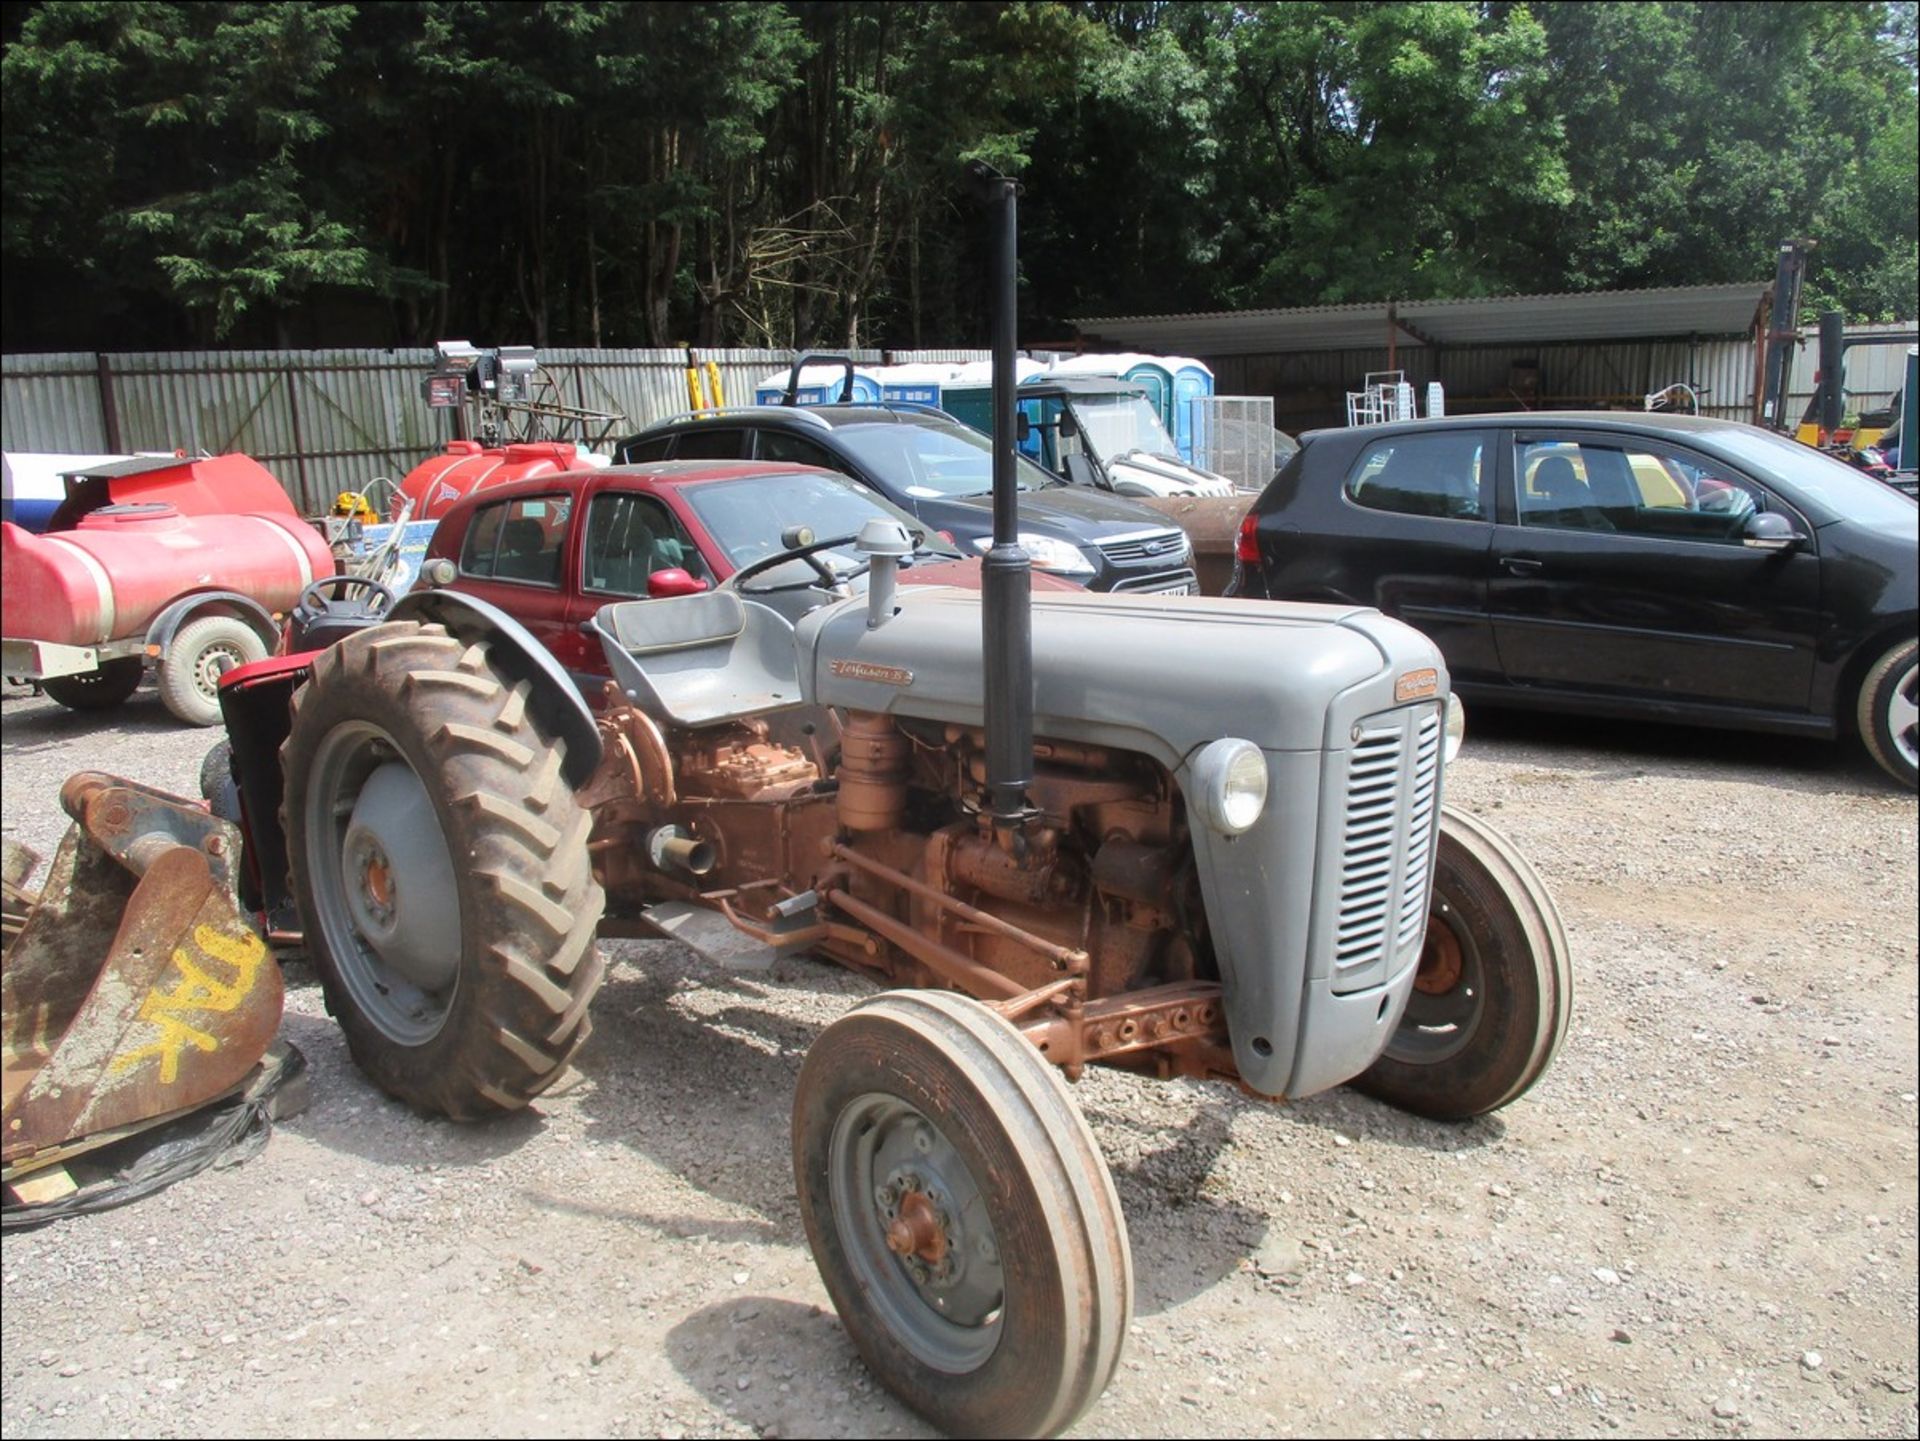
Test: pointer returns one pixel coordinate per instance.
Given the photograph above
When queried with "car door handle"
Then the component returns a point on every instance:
(1521, 565)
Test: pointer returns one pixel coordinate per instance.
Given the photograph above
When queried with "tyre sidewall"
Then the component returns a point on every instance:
(996, 1397)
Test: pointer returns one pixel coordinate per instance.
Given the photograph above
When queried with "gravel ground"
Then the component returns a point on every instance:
(1701, 1221)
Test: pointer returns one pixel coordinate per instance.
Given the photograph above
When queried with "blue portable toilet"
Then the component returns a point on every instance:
(819, 385)
(921, 384)
(1192, 381)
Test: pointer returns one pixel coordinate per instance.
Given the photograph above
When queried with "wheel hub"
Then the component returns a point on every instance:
(399, 881)
(1903, 716)
(1440, 959)
(917, 1229)
(213, 663)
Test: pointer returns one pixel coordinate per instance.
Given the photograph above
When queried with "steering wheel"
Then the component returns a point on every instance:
(809, 553)
(317, 599)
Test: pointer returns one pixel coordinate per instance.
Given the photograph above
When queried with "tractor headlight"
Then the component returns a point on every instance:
(1229, 786)
(1456, 727)
(1047, 553)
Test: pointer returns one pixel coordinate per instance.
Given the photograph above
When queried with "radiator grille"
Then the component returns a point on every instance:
(1155, 545)
(1393, 777)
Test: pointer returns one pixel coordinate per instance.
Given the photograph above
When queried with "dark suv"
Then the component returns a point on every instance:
(1663, 567)
(942, 471)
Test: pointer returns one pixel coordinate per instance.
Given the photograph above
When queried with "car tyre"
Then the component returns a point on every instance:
(1889, 713)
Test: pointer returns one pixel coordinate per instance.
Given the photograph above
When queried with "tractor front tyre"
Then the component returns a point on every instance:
(1494, 991)
(101, 689)
(440, 865)
(961, 1215)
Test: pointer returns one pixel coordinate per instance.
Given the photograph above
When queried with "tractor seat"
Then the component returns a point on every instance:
(697, 660)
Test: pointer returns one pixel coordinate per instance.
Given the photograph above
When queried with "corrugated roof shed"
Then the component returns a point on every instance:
(1674, 312)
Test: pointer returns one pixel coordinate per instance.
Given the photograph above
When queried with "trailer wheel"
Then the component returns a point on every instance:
(1494, 992)
(961, 1216)
(200, 653)
(441, 869)
(101, 689)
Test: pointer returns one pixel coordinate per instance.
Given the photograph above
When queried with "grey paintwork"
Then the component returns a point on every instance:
(1162, 677)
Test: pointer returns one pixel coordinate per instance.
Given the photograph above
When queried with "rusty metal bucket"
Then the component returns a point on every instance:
(135, 990)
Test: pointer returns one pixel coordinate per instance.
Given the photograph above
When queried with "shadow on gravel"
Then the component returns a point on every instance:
(1636, 748)
(1172, 1182)
(352, 1116)
(35, 722)
(772, 1343)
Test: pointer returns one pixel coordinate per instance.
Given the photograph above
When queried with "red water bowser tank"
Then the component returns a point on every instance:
(464, 467)
(114, 571)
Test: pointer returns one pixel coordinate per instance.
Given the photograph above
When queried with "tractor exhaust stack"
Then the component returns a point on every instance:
(1007, 585)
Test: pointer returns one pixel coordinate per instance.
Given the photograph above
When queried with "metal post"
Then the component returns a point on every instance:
(109, 407)
(299, 445)
(1007, 584)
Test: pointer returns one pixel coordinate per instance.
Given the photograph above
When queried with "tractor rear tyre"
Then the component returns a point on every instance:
(961, 1215)
(101, 689)
(441, 869)
(1494, 991)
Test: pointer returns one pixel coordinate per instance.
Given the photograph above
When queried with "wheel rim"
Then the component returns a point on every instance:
(383, 884)
(1449, 994)
(213, 662)
(914, 1227)
(1903, 715)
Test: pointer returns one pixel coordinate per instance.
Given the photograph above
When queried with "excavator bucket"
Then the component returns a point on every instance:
(134, 990)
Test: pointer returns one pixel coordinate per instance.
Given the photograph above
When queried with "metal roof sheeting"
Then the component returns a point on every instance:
(1669, 313)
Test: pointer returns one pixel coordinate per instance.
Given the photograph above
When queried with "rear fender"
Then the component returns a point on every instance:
(160, 630)
(553, 698)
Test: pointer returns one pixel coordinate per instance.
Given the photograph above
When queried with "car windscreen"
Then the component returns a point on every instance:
(933, 459)
(1826, 488)
(748, 516)
(1117, 424)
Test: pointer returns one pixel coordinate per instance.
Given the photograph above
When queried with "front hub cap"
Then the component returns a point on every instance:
(1449, 993)
(915, 1226)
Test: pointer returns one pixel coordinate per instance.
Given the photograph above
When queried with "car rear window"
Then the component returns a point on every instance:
(1432, 475)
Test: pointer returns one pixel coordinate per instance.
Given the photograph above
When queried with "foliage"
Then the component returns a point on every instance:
(788, 173)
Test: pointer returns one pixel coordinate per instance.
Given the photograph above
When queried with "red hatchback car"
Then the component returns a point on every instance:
(552, 550)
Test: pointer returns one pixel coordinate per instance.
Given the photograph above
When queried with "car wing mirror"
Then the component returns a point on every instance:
(664, 584)
(1768, 531)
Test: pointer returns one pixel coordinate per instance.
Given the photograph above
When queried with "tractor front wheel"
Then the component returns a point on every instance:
(961, 1215)
(440, 864)
(1494, 991)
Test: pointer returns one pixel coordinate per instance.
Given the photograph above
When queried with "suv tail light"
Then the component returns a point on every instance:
(1246, 548)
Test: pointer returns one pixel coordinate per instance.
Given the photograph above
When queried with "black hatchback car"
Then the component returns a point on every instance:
(941, 471)
(1670, 568)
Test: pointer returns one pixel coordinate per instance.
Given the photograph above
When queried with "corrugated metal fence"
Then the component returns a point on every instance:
(326, 420)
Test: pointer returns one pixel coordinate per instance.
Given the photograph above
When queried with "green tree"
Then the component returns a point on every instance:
(186, 130)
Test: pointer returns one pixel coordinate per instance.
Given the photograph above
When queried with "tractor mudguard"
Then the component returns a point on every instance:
(160, 630)
(554, 700)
